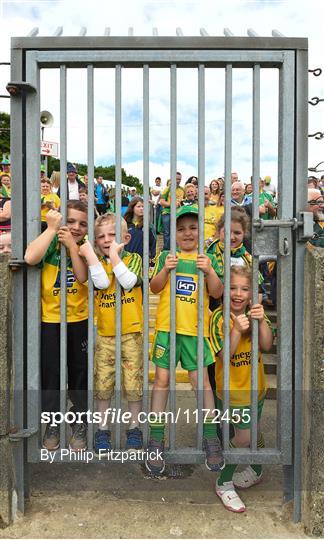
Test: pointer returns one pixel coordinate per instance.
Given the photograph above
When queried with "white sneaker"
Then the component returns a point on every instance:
(229, 497)
(246, 478)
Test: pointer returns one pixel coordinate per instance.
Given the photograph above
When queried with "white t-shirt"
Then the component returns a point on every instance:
(237, 261)
(271, 189)
(73, 188)
(155, 198)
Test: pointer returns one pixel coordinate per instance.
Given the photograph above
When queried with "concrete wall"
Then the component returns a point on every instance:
(313, 432)
(6, 463)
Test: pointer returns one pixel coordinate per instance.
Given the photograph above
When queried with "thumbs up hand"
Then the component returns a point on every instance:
(241, 322)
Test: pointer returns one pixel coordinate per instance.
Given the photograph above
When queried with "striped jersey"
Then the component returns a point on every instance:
(131, 301)
(239, 256)
(240, 363)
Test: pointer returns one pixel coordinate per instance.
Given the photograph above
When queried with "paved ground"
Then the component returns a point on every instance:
(120, 501)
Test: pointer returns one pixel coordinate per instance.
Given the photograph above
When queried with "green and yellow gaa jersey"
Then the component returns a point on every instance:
(186, 295)
(132, 301)
(240, 363)
(77, 293)
(239, 257)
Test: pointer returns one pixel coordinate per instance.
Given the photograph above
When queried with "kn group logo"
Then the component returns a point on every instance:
(70, 279)
(185, 285)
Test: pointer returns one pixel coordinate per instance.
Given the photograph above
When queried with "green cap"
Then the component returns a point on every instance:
(5, 162)
(190, 209)
(42, 168)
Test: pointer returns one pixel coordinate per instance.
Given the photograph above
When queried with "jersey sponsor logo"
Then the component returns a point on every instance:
(185, 285)
(70, 279)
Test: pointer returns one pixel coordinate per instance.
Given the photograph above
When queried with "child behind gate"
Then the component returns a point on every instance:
(45, 252)
(115, 263)
(242, 313)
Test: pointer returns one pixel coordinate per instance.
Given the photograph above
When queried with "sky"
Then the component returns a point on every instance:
(295, 18)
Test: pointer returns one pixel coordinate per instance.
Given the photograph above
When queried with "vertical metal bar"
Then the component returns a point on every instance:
(118, 182)
(33, 230)
(19, 307)
(63, 198)
(173, 160)
(201, 220)
(146, 194)
(90, 119)
(284, 268)
(227, 246)
(255, 259)
(301, 160)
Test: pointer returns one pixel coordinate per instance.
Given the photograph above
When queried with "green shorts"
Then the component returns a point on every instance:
(244, 412)
(186, 351)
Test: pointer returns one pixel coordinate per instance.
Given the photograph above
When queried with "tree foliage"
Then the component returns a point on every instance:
(53, 164)
(4, 134)
(108, 173)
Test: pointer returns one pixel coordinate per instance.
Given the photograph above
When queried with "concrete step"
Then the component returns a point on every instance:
(270, 363)
(273, 349)
(271, 381)
(271, 314)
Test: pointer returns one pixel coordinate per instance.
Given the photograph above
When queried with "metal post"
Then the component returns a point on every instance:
(201, 220)
(18, 234)
(173, 160)
(118, 182)
(33, 274)
(90, 114)
(301, 160)
(284, 270)
(255, 259)
(227, 248)
(146, 195)
(63, 266)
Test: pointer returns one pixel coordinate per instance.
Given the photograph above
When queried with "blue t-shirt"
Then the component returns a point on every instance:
(99, 194)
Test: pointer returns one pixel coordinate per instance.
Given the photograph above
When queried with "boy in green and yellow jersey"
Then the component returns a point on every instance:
(126, 268)
(240, 379)
(44, 251)
(187, 263)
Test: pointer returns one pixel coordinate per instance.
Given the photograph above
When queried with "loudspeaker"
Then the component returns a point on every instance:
(46, 119)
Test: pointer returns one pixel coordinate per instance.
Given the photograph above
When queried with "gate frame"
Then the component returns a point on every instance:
(21, 47)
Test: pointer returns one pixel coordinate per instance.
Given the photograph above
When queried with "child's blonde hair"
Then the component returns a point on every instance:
(109, 217)
(55, 179)
(243, 271)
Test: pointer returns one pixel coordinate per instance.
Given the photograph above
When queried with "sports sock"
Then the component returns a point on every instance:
(157, 430)
(227, 473)
(209, 428)
(260, 444)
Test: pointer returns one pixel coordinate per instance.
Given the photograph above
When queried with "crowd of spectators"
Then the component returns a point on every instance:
(160, 200)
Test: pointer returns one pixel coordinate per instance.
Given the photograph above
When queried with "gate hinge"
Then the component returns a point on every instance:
(14, 264)
(22, 434)
(16, 88)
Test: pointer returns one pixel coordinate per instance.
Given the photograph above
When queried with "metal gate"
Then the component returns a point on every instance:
(281, 238)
